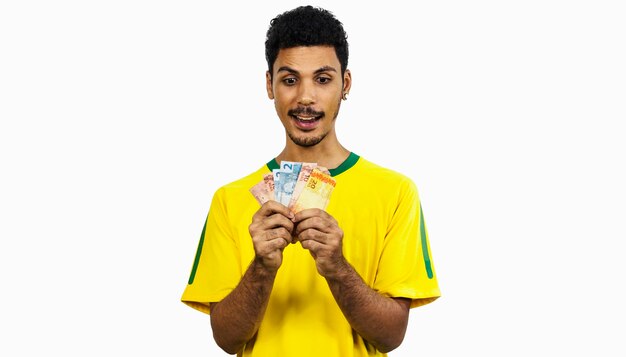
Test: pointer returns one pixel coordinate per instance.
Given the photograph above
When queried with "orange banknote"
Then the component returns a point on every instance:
(316, 193)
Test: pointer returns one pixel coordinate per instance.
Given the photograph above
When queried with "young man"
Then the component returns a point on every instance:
(346, 284)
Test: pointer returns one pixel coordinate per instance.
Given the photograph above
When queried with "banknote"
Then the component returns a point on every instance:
(290, 166)
(324, 170)
(260, 192)
(316, 193)
(277, 175)
(293, 179)
(287, 178)
(305, 172)
(264, 190)
(268, 179)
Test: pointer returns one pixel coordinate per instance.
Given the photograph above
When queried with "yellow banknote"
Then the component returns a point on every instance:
(316, 193)
(303, 177)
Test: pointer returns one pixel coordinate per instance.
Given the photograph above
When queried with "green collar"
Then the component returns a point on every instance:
(348, 163)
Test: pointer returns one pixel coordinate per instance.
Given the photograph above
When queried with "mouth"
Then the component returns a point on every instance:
(306, 121)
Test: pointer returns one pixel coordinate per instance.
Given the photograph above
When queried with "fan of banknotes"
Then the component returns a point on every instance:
(297, 185)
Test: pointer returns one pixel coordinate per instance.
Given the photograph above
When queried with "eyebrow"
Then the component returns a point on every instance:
(319, 70)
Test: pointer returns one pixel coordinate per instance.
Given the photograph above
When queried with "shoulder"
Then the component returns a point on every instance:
(242, 185)
(376, 186)
(372, 172)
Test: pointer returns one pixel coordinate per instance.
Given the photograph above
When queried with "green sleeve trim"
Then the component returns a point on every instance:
(345, 166)
(429, 268)
(198, 254)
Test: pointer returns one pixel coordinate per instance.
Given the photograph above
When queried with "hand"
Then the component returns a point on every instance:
(271, 231)
(319, 233)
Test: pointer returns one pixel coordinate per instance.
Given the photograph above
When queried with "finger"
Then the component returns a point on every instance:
(279, 243)
(272, 207)
(271, 246)
(308, 213)
(322, 224)
(312, 234)
(312, 246)
(275, 221)
(280, 232)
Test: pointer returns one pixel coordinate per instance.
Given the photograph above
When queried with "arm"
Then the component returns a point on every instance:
(380, 320)
(237, 317)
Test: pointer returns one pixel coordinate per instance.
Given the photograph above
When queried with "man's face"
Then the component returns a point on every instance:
(307, 87)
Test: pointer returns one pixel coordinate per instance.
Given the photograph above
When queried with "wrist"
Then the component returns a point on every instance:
(261, 271)
(343, 270)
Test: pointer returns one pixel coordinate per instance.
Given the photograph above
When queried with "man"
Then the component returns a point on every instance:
(346, 284)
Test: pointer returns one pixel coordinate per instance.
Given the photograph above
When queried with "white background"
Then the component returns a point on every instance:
(119, 120)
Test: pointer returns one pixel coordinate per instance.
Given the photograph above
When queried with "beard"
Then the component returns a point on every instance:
(306, 141)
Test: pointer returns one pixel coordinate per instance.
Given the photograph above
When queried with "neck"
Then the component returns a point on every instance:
(329, 154)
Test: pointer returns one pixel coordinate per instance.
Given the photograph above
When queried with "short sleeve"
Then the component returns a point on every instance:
(406, 268)
(216, 269)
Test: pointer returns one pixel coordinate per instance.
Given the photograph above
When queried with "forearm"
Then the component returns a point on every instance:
(380, 320)
(237, 317)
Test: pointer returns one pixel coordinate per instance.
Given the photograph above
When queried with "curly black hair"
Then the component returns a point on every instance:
(306, 26)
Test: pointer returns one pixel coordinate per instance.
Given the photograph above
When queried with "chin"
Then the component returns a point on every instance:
(306, 141)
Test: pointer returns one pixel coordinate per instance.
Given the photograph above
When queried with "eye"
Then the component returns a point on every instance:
(289, 81)
(323, 80)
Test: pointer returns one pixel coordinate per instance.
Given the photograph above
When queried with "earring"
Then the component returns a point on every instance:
(344, 96)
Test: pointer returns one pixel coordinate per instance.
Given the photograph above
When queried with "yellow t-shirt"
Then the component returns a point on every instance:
(385, 240)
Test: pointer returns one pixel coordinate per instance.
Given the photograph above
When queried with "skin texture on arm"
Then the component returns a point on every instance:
(237, 317)
(380, 320)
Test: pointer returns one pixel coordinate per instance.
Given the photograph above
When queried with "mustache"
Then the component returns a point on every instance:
(307, 111)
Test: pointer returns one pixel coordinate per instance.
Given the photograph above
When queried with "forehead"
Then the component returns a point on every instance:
(307, 58)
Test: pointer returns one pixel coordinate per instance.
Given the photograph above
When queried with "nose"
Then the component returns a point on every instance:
(306, 95)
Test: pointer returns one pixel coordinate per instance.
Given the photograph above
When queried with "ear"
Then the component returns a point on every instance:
(347, 82)
(268, 85)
